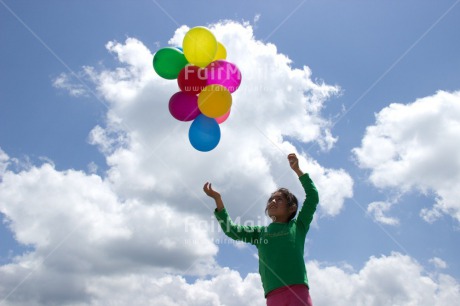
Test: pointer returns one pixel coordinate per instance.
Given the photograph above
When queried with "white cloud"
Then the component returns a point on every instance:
(256, 19)
(65, 82)
(78, 228)
(378, 210)
(273, 101)
(415, 146)
(438, 263)
(92, 249)
(4, 161)
(228, 288)
(95, 237)
(92, 168)
(88, 213)
(387, 280)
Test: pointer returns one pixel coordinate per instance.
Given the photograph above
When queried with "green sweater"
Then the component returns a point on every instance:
(280, 245)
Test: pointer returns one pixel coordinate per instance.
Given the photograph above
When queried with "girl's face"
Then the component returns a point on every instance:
(278, 209)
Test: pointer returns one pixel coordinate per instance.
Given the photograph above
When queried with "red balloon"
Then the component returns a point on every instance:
(184, 106)
(192, 79)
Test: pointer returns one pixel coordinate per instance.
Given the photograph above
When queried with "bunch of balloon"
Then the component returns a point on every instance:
(206, 81)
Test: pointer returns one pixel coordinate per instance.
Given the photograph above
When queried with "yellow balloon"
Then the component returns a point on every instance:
(214, 101)
(221, 53)
(199, 46)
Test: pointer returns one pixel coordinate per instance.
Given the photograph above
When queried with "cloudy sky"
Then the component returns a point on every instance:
(101, 196)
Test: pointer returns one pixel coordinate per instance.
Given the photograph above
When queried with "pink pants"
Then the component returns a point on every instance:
(294, 295)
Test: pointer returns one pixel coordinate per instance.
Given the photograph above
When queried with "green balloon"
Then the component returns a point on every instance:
(168, 62)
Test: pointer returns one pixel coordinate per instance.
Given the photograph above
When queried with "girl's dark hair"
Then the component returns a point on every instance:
(291, 200)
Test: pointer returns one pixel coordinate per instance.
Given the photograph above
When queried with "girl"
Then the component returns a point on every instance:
(281, 244)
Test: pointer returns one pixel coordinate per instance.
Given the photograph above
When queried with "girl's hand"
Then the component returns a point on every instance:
(207, 188)
(293, 161)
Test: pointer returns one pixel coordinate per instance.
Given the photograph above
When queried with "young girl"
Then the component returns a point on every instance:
(281, 244)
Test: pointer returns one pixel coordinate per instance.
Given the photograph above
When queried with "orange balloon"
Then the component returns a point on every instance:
(214, 101)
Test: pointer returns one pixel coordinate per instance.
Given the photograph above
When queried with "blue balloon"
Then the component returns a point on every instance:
(204, 133)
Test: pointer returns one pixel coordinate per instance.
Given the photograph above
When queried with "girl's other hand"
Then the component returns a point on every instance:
(207, 188)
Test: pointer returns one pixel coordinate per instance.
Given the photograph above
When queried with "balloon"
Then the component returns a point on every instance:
(184, 106)
(214, 101)
(191, 79)
(224, 73)
(168, 62)
(221, 52)
(222, 119)
(199, 46)
(204, 133)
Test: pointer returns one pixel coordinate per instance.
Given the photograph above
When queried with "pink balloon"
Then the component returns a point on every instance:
(184, 106)
(223, 118)
(224, 73)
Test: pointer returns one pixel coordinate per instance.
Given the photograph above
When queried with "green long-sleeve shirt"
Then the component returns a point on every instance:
(280, 245)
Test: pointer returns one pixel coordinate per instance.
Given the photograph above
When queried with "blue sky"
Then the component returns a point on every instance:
(385, 73)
